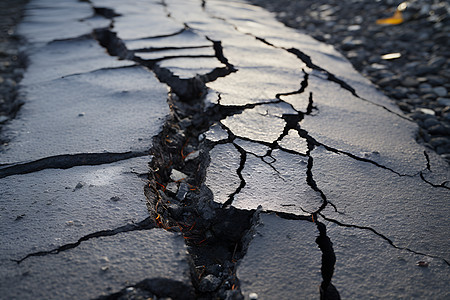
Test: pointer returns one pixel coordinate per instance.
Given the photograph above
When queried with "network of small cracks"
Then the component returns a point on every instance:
(216, 235)
(312, 143)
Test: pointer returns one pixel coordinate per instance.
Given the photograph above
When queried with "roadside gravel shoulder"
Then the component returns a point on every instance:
(12, 62)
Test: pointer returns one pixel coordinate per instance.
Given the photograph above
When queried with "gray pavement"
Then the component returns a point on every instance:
(201, 149)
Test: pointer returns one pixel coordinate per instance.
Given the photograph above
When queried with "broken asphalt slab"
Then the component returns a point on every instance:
(285, 173)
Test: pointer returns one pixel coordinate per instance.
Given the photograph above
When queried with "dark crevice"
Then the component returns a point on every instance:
(331, 77)
(154, 288)
(158, 49)
(327, 289)
(304, 134)
(185, 89)
(106, 12)
(242, 184)
(218, 49)
(290, 216)
(310, 179)
(146, 224)
(310, 106)
(215, 236)
(442, 185)
(67, 161)
(428, 160)
(186, 28)
(151, 62)
(382, 236)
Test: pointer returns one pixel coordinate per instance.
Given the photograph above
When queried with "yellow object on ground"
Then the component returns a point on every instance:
(396, 19)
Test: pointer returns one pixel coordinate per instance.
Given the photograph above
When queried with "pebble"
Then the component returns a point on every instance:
(209, 283)
(177, 175)
(430, 122)
(410, 82)
(440, 91)
(444, 101)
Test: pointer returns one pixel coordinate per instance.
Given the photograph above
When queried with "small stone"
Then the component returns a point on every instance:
(444, 101)
(439, 141)
(104, 259)
(429, 122)
(114, 198)
(426, 111)
(105, 268)
(437, 61)
(429, 96)
(410, 82)
(192, 155)
(20, 217)
(182, 191)
(423, 70)
(440, 91)
(81, 114)
(78, 186)
(9, 82)
(354, 27)
(391, 56)
(177, 175)
(209, 283)
(69, 223)
(3, 119)
(392, 81)
(439, 130)
(175, 210)
(253, 296)
(403, 106)
(172, 187)
(423, 263)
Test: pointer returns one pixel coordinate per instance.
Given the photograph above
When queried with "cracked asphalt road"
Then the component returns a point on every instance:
(200, 149)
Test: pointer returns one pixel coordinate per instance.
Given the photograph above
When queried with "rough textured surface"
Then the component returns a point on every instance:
(292, 262)
(374, 270)
(263, 123)
(97, 267)
(47, 209)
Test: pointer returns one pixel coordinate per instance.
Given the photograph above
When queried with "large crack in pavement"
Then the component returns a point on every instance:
(180, 201)
(215, 235)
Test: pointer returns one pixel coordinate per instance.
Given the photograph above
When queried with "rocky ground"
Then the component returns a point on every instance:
(418, 80)
(11, 62)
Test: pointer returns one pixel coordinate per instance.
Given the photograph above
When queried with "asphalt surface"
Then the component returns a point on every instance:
(209, 152)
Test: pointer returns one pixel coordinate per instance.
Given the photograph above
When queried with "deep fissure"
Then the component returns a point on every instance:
(185, 96)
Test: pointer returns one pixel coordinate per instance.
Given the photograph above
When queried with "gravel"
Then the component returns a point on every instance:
(409, 62)
(12, 62)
